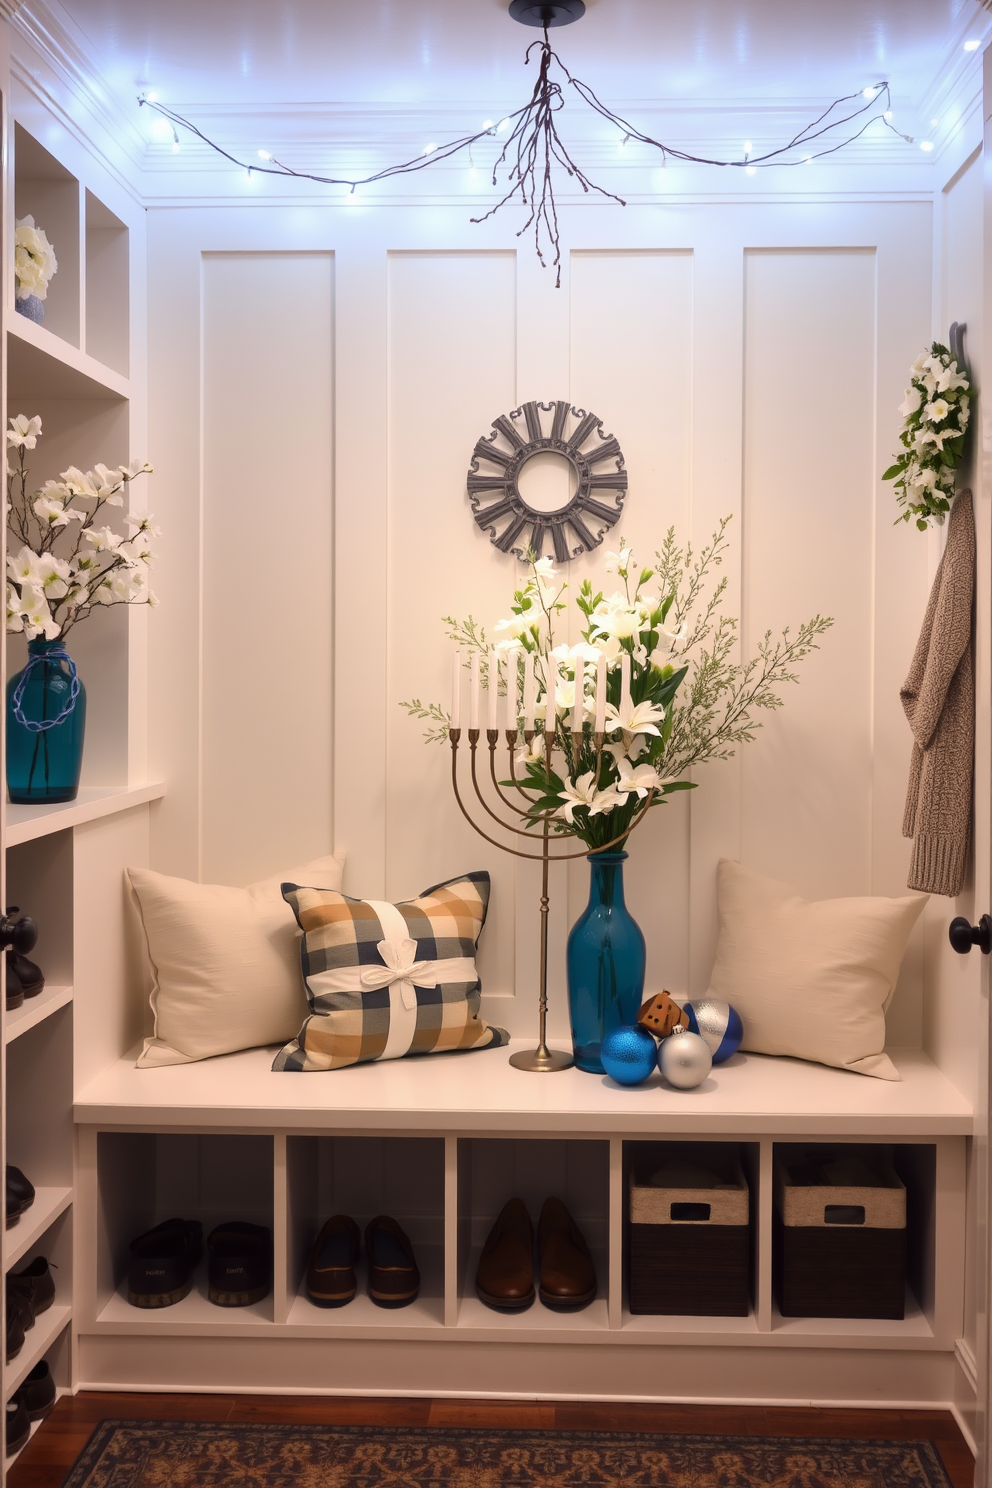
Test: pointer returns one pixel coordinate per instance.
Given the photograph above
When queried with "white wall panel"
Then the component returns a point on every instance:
(631, 361)
(451, 371)
(808, 496)
(267, 397)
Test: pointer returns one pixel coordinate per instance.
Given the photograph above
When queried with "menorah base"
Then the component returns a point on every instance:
(542, 1060)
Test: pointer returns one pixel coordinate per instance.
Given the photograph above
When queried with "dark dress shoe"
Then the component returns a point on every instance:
(505, 1278)
(19, 1196)
(162, 1263)
(567, 1273)
(240, 1266)
(394, 1280)
(35, 1284)
(37, 1394)
(27, 973)
(18, 1426)
(19, 1320)
(331, 1280)
(15, 991)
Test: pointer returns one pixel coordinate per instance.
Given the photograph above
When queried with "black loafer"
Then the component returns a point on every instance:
(239, 1270)
(30, 976)
(35, 1284)
(37, 1394)
(18, 1426)
(19, 1196)
(162, 1263)
(19, 1320)
(394, 1280)
(15, 991)
(331, 1279)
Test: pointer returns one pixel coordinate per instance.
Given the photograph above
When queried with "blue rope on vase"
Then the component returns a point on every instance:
(34, 726)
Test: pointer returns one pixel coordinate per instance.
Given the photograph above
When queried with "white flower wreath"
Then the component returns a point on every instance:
(936, 409)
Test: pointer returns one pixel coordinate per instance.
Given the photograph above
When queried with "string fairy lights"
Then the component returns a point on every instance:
(531, 147)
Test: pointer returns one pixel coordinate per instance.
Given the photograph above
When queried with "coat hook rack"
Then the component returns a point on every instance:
(955, 341)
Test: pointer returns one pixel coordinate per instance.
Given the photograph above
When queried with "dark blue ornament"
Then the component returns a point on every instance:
(629, 1055)
(718, 1023)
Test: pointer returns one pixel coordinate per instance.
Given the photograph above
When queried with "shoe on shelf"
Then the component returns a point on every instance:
(505, 1276)
(566, 1270)
(37, 1394)
(331, 1280)
(30, 976)
(19, 1319)
(35, 1284)
(394, 1280)
(240, 1266)
(162, 1263)
(18, 1426)
(19, 1196)
(15, 990)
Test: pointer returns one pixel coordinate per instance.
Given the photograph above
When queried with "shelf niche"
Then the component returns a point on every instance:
(46, 191)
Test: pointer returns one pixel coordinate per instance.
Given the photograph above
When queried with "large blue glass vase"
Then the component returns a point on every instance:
(46, 721)
(605, 963)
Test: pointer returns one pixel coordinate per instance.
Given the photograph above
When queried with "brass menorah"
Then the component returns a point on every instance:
(542, 1059)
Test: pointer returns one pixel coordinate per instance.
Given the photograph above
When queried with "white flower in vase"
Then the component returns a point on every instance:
(35, 263)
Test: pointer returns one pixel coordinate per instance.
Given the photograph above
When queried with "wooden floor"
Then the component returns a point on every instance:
(54, 1448)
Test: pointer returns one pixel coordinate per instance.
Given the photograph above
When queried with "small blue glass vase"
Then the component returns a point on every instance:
(606, 959)
(46, 722)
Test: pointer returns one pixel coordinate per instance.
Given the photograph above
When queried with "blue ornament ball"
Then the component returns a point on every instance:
(629, 1055)
(718, 1023)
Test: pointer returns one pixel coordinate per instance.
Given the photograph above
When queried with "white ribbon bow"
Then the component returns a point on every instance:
(400, 968)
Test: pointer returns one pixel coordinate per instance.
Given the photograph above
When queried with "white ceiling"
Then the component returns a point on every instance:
(441, 52)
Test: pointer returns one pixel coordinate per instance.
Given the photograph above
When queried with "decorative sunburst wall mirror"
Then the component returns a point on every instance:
(547, 470)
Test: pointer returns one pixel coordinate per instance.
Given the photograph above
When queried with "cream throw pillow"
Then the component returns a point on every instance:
(225, 962)
(810, 979)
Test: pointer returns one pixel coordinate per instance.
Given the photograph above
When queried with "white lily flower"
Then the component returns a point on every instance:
(937, 411)
(532, 753)
(49, 509)
(624, 625)
(15, 620)
(518, 625)
(583, 793)
(949, 380)
(37, 616)
(78, 483)
(53, 575)
(104, 539)
(637, 779)
(619, 563)
(636, 718)
(911, 402)
(23, 432)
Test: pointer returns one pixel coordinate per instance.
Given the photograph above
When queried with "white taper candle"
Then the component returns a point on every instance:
(456, 689)
(601, 693)
(625, 682)
(473, 696)
(528, 692)
(550, 693)
(492, 690)
(577, 701)
(512, 690)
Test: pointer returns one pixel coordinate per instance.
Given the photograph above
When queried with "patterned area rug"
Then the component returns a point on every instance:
(186, 1454)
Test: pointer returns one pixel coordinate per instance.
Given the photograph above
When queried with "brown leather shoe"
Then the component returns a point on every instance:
(331, 1280)
(394, 1280)
(568, 1276)
(505, 1278)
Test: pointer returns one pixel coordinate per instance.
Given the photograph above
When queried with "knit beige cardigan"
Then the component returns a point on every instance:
(939, 699)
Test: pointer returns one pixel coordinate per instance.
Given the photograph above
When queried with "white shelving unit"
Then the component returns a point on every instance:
(63, 864)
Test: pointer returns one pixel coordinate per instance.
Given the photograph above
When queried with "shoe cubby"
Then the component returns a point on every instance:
(145, 1178)
(39, 883)
(39, 1108)
(47, 1336)
(47, 191)
(861, 1229)
(363, 1177)
(492, 1170)
(689, 1236)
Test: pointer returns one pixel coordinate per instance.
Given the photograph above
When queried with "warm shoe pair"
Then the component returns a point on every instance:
(19, 1196)
(29, 1292)
(24, 978)
(163, 1260)
(31, 1402)
(566, 1274)
(393, 1277)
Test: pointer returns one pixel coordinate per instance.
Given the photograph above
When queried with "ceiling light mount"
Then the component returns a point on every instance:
(547, 13)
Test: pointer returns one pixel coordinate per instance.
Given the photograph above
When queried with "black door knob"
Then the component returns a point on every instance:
(963, 935)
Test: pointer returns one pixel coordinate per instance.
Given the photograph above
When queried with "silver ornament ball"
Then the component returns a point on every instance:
(685, 1060)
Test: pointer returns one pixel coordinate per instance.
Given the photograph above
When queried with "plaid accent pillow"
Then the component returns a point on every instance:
(384, 980)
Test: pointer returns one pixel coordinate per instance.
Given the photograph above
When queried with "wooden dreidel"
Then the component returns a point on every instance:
(660, 1014)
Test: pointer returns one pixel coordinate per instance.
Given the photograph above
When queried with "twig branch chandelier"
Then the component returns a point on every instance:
(533, 147)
